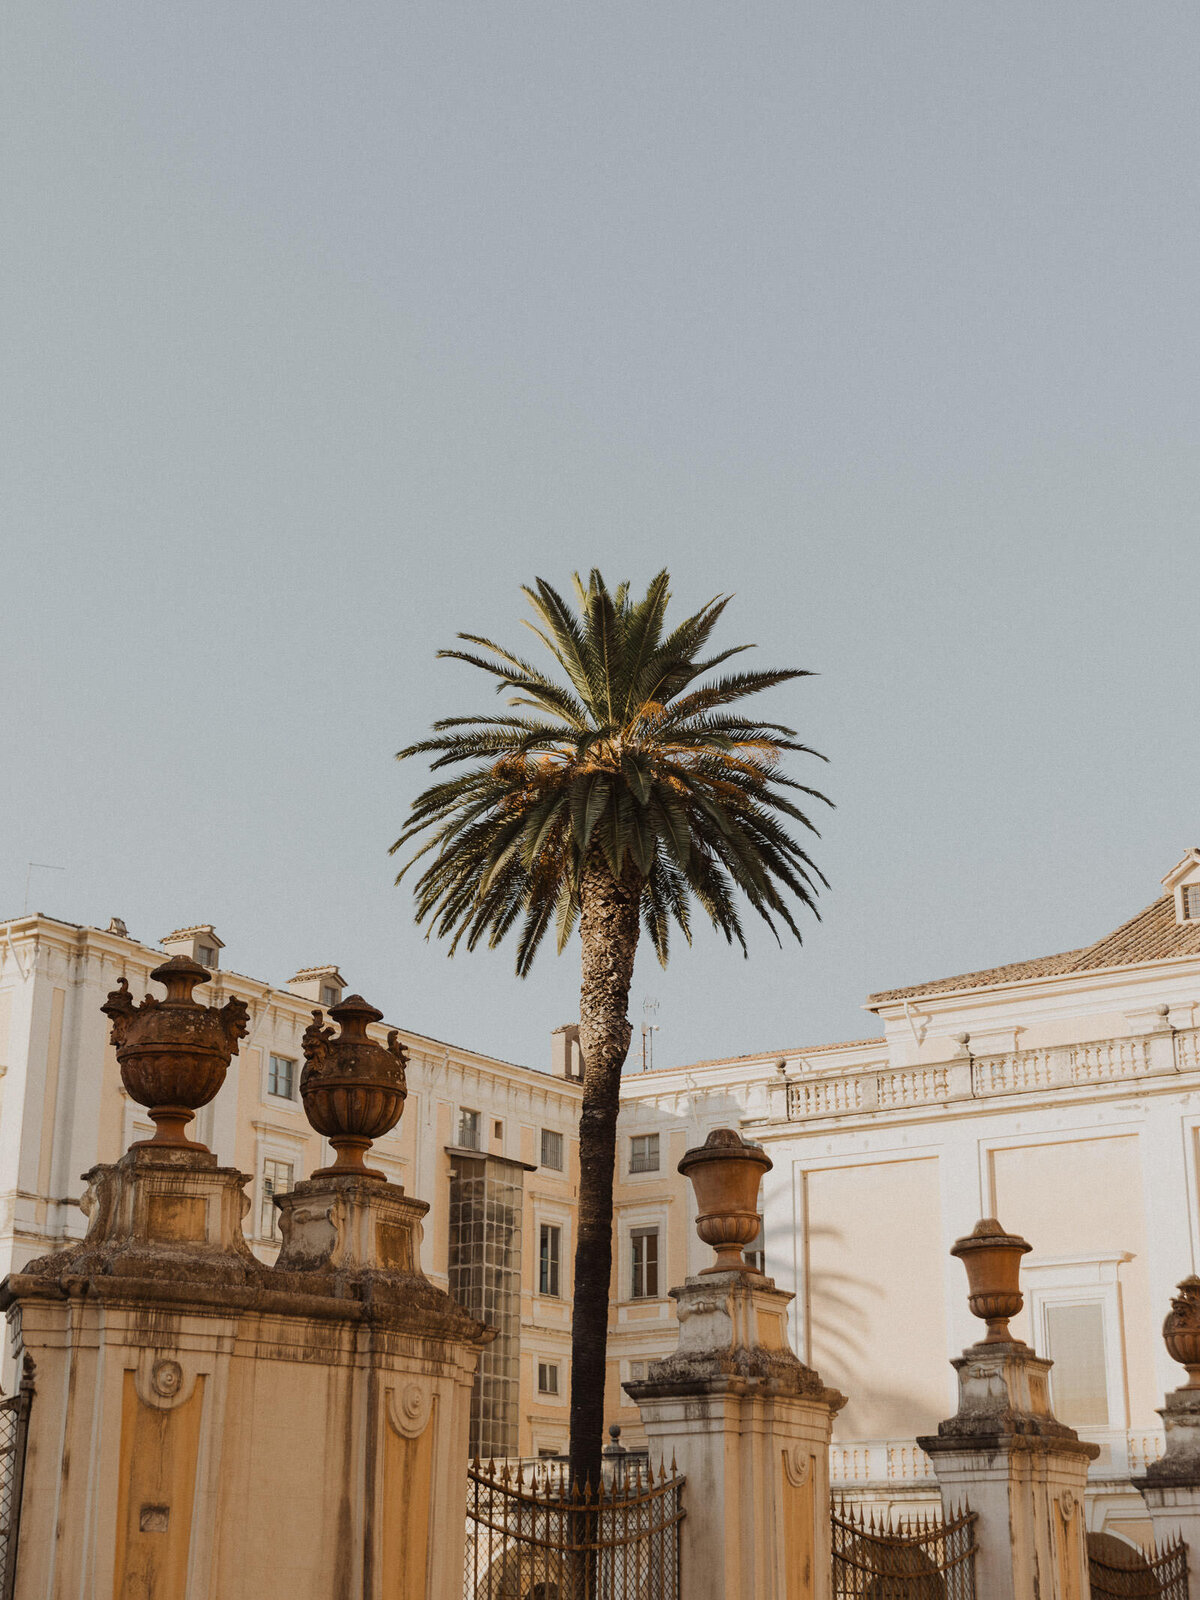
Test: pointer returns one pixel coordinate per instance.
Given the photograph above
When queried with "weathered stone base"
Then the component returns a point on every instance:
(218, 1430)
(1171, 1486)
(750, 1426)
(1021, 1471)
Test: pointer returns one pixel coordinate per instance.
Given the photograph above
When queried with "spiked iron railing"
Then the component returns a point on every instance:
(530, 1536)
(919, 1558)
(1159, 1573)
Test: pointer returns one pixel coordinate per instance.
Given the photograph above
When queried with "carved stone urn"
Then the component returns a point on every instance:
(725, 1173)
(353, 1089)
(993, 1262)
(174, 1053)
(1181, 1330)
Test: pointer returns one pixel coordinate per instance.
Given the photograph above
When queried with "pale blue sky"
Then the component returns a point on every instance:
(326, 327)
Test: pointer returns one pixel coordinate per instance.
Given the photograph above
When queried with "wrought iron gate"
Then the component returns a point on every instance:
(925, 1558)
(14, 1431)
(1120, 1572)
(530, 1538)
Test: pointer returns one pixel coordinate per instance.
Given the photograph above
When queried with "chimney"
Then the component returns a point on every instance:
(566, 1058)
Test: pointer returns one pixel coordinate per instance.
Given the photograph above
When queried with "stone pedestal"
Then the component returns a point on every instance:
(207, 1428)
(749, 1425)
(1171, 1486)
(1020, 1470)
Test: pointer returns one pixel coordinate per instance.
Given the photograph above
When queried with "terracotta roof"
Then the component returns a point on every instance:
(197, 927)
(316, 972)
(1152, 935)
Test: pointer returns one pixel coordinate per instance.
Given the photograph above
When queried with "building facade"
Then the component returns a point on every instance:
(1061, 1094)
(491, 1145)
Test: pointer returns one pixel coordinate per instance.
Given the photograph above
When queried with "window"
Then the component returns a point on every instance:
(468, 1130)
(643, 1153)
(637, 1371)
(547, 1452)
(1191, 902)
(277, 1179)
(497, 1132)
(645, 1262)
(206, 954)
(755, 1251)
(281, 1077)
(549, 1253)
(552, 1149)
(1079, 1376)
(330, 995)
(547, 1377)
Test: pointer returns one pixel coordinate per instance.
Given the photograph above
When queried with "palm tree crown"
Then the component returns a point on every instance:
(628, 763)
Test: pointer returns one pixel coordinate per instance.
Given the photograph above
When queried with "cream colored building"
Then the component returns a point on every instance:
(1060, 1094)
(474, 1129)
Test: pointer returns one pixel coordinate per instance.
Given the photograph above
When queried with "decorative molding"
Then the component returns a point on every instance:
(798, 1464)
(409, 1413)
(162, 1382)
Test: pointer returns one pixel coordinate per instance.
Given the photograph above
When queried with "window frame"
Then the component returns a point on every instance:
(549, 1266)
(1189, 901)
(266, 1207)
(551, 1166)
(642, 1231)
(293, 1077)
(463, 1113)
(1085, 1279)
(636, 1167)
(551, 1369)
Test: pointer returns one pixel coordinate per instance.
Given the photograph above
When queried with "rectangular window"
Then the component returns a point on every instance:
(1079, 1376)
(1191, 902)
(498, 1132)
(547, 1377)
(329, 995)
(643, 1153)
(277, 1179)
(468, 1130)
(552, 1149)
(281, 1077)
(756, 1251)
(645, 1264)
(550, 1250)
(206, 955)
(637, 1371)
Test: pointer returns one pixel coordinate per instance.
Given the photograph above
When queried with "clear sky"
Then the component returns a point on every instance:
(326, 326)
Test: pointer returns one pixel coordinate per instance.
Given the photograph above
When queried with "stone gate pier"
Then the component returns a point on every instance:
(745, 1421)
(208, 1428)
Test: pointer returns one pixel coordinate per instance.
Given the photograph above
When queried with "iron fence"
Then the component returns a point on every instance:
(1120, 1572)
(531, 1537)
(921, 1558)
(14, 1431)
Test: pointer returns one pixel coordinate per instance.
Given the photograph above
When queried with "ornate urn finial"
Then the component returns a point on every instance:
(353, 1089)
(725, 1173)
(1181, 1330)
(174, 1053)
(993, 1262)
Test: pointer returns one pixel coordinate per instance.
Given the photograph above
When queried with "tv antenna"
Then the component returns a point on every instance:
(39, 866)
(649, 1029)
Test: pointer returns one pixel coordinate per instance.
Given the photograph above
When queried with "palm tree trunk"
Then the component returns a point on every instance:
(609, 931)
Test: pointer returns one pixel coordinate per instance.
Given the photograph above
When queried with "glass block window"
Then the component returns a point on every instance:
(468, 1130)
(644, 1259)
(1191, 902)
(278, 1177)
(281, 1077)
(552, 1149)
(549, 1251)
(643, 1153)
(547, 1377)
(1079, 1376)
(486, 1200)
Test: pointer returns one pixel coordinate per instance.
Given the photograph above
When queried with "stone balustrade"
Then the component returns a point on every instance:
(874, 1463)
(878, 1086)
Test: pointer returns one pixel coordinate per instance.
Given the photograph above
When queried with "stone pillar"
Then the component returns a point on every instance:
(208, 1428)
(1171, 1486)
(746, 1422)
(1003, 1453)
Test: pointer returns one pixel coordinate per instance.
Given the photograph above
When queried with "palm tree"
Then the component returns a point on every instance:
(613, 794)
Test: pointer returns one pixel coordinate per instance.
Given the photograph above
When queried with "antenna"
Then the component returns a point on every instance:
(42, 866)
(649, 1029)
